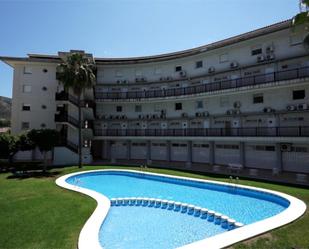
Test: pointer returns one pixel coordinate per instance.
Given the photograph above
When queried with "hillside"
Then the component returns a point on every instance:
(5, 110)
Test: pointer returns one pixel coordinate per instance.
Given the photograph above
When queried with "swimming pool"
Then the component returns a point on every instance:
(258, 209)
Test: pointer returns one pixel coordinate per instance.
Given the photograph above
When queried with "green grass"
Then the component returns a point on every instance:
(35, 213)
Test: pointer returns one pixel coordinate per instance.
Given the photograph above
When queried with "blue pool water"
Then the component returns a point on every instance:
(152, 228)
(245, 206)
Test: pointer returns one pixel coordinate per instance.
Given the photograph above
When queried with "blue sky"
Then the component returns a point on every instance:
(123, 28)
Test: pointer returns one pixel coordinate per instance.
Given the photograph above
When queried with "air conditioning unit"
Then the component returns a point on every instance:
(169, 78)
(285, 147)
(118, 81)
(111, 117)
(184, 115)
(237, 111)
(143, 79)
(162, 79)
(260, 58)
(270, 49)
(205, 114)
(234, 64)
(148, 116)
(211, 70)
(237, 104)
(303, 106)
(182, 73)
(229, 112)
(270, 57)
(197, 114)
(140, 116)
(125, 81)
(291, 107)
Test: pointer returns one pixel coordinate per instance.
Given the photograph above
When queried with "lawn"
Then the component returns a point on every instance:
(35, 213)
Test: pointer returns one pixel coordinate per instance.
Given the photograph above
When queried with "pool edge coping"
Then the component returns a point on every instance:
(89, 235)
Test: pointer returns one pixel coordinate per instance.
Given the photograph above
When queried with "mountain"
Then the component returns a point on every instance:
(5, 110)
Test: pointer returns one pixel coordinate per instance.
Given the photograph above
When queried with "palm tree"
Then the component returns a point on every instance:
(303, 16)
(77, 72)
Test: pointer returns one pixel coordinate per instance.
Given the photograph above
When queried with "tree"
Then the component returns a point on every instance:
(303, 16)
(8, 145)
(46, 140)
(77, 72)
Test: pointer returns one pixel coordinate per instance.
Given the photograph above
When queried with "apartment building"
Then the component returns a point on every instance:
(242, 100)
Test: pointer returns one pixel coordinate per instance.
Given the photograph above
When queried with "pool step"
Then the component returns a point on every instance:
(203, 213)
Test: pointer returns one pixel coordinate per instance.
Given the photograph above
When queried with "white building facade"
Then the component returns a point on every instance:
(243, 100)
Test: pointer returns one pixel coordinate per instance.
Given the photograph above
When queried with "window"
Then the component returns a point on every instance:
(119, 108)
(26, 89)
(299, 94)
(178, 106)
(199, 104)
(178, 68)
(26, 107)
(198, 64)
(224, 58)
(25, 125)
(138, 108)
(27, 70)
(258, 98)
(256, 51)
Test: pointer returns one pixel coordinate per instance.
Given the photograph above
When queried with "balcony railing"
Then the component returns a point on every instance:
(64, 117)
(64, 96)
(214, 86)
(300, 131)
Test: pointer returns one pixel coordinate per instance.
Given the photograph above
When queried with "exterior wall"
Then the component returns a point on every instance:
(119, 150)
(296, 160)
(261, 159)
(227, 153)
(179, 151)
(200, 153)
(138, 150)
(121, 77)
(36, 98)
(159, 151)
(64, 156)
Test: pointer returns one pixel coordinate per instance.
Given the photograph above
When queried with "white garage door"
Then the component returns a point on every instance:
(200, 153)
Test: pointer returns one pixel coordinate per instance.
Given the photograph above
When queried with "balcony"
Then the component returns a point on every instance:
(64, 96)
(299, 131)
(297, 73)
(64, 117)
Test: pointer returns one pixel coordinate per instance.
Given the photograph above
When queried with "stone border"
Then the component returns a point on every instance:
(89, 235)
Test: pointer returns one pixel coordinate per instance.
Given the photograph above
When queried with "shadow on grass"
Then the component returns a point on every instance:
(34, 174)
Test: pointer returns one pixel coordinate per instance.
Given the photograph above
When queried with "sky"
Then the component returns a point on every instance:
(124, 28)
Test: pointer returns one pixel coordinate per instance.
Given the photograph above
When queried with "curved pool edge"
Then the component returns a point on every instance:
(89, 235)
